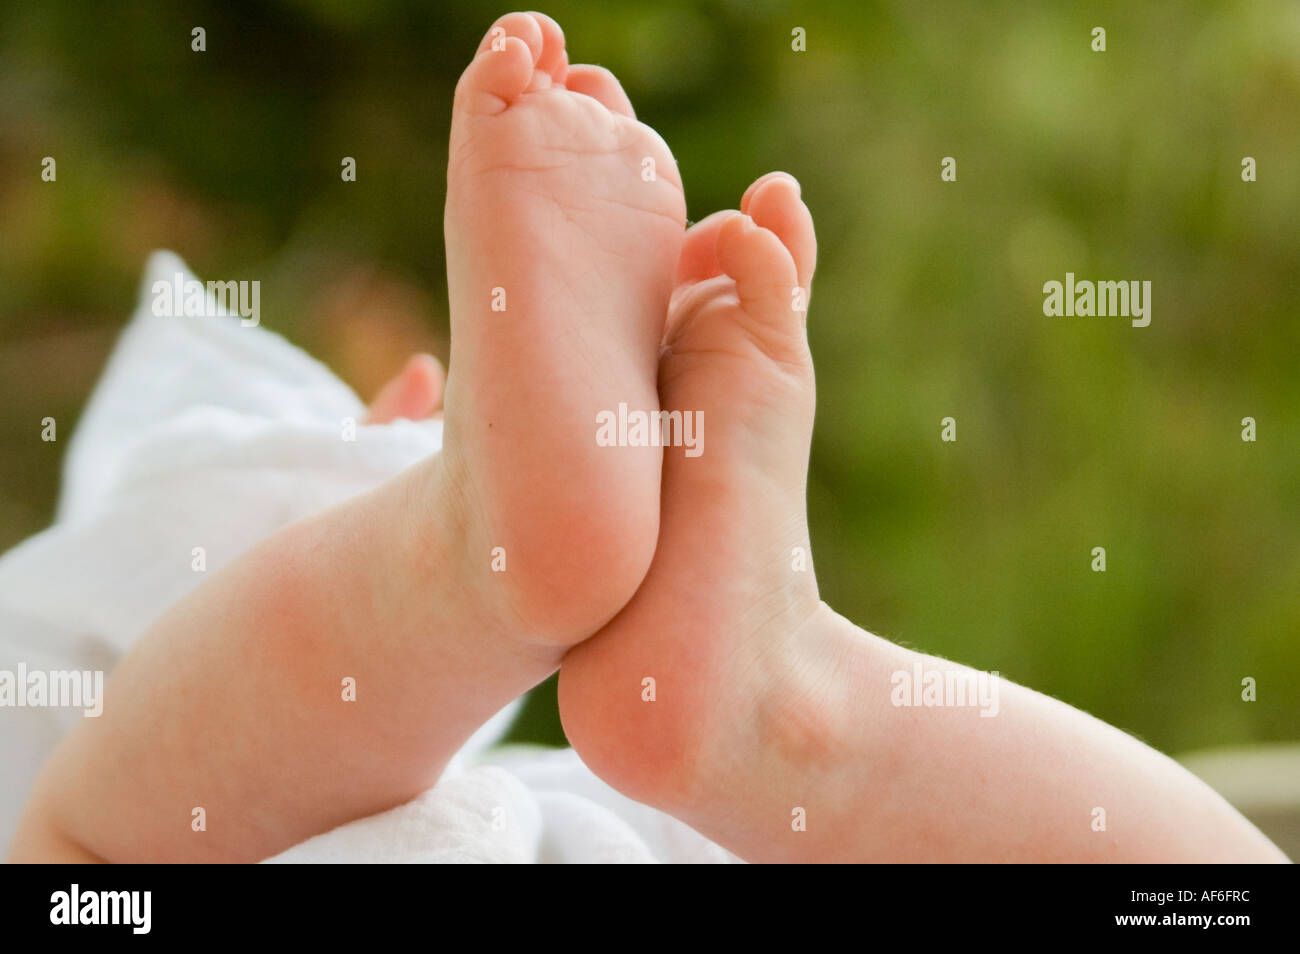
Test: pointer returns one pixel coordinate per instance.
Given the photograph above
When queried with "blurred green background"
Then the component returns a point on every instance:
(1072, 433)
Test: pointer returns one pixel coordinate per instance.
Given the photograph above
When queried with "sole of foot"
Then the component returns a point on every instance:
(564, 221)
(707, 677)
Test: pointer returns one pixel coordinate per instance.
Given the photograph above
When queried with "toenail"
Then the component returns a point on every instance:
(798, 189)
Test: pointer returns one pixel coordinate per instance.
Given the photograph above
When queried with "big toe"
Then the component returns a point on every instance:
(769, 251)
(775, 203)
(521, 52)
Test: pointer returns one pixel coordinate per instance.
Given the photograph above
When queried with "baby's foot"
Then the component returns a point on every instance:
(564, 222)
(728, 695)
(720, 623)
(370, 640)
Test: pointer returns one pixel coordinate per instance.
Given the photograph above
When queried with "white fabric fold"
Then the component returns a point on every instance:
(207, 433)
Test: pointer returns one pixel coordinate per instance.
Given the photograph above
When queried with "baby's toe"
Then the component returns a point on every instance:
(601, 85)
(766, 280)
(504, 66)
(553, 59)
(699, 256)
(774, 203)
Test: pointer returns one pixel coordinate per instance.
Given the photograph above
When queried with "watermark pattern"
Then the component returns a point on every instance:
(953, 688)
(1085, 299)
(53, 689)
(624, 428)
(192, 299)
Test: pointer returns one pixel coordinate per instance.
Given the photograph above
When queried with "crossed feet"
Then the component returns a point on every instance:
(699, 670)
(575, 287)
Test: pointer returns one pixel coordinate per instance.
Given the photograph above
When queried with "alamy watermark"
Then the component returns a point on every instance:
(952, 687)
(1103, 299)
(129, 908)
(192, 299)
(53, 689)
(624, 428)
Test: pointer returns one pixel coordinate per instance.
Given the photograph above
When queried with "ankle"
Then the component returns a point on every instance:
(795, 791)
(551, 573)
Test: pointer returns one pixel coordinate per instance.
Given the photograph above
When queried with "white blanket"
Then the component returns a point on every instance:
(206, 433)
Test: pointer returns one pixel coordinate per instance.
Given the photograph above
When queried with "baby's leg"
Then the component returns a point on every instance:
(444, 594)
(236, 702)
(778, 728)
(1034, 781)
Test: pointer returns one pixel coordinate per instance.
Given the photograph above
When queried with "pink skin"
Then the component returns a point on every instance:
(414, 393)
(768, 703)
(231, 701)
(559, 276)
(771, 710)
